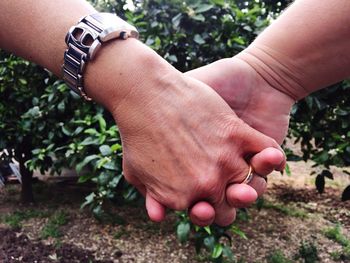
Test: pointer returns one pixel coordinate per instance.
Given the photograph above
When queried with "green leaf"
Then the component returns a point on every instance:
(61, 106)
(176, 20)
(91, 131)
(183, 231)
(238, 232)
(102, 162)
(199, 17)
(217, 252)
(115, 181)
(130, 194)
(111, 166)
(172, 58)
(287, 169)
(209, 242)
(105, 150)
(90, 141)
(102, 122)
(88, 200)
(87, 160)
(203, 8)
(207, 229)
(116, 147)
(24, 82)
(66, 131)
(239, 40)
(198, 39)
(84, 178)
(227, 252)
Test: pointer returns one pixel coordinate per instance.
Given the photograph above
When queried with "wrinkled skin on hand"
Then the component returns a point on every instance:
(249, 95)
(255, 102)
(182, 143)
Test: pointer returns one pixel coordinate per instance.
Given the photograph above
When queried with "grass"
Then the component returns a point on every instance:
(277, 257)
(286, 210)
(336, 233)
(52, 228)
(308, 252)
(15, 219)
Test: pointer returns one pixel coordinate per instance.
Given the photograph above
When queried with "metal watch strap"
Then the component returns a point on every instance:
(84, 40)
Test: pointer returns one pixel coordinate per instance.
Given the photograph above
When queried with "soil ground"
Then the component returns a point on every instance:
(293, 213)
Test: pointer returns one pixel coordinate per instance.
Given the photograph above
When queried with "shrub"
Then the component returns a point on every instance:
(44, 126)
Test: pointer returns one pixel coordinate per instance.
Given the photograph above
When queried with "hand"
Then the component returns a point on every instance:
(182, 143)
(249, 95)
(258, 104)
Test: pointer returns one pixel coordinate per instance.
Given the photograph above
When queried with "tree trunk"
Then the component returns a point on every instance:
(27, 196)
(24, 154)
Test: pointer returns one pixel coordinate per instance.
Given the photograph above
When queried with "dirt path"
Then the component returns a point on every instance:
(293, 213)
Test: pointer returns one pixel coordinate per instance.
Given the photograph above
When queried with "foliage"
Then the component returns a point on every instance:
(15, 219)
(40, 114)
(277, 257)
(52, 228)
(321, 124)
(286, 210)
(210, 238)
(336, 233)
(215, 240)
(308, 252)
(44, 126)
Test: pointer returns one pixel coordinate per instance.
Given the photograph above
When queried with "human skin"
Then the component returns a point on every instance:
(181, 141)
(297, 55)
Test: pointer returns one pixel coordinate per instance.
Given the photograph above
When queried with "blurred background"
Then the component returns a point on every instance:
(62, 194)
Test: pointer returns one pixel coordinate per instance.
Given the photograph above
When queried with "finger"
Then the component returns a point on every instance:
(263, 163)
(241, 195)
(255, 141)
(155, 210)
(224, 214)
(259, 184)
(202, 214)
(268, 160)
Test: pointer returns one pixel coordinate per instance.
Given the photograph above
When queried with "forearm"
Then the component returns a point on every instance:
(36, 30)
(307, 48)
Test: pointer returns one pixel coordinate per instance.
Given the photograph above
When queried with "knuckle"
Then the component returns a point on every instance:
(178, 204)
(208, 185)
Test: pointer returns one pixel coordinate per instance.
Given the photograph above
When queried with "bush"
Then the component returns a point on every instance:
(44, 126)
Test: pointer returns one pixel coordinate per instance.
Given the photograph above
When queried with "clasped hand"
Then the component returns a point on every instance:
(184, 147)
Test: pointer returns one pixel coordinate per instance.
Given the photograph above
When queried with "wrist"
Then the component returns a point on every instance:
(119, 69)
(278, 70)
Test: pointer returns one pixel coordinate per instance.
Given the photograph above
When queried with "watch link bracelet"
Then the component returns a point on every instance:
(85, 39)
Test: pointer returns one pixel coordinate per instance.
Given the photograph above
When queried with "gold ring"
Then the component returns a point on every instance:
(249, 176)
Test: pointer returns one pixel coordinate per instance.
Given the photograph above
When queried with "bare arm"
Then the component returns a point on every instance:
(307, 48)
(36, 30)
(181, 141)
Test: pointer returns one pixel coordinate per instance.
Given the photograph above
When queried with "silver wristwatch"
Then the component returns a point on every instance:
(85, 39)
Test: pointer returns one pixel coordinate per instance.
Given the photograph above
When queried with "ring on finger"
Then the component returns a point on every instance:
(249, 176)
